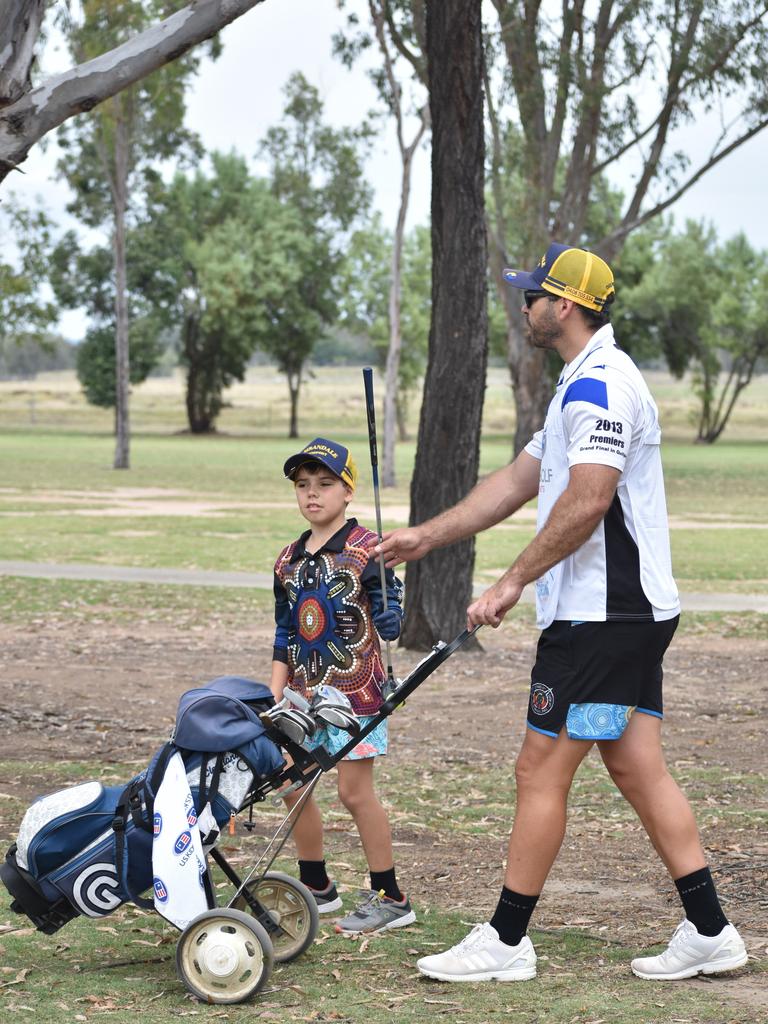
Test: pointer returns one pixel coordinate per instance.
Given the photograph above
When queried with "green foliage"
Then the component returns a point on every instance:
(25, 315)
(706, 306)
(96, 361)
(227, 265)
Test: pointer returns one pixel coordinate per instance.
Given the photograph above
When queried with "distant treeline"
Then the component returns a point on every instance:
(23, 360)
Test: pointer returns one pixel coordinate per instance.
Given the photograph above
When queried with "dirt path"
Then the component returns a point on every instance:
(105, 693)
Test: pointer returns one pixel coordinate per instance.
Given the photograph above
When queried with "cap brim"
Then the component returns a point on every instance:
(520, 279)
(295, 461)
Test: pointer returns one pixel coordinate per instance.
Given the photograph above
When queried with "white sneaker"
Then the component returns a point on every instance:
(482, 956)
(690, 953)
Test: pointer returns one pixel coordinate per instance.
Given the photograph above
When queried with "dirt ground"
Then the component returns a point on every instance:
(108, 693)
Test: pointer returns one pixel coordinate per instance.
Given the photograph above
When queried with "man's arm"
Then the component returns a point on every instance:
(493, 499)
(573, 519)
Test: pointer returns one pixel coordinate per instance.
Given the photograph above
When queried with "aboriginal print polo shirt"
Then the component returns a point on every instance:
(324, 603)
(602, 413)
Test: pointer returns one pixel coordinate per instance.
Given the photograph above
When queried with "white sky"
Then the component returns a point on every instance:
(235, 99)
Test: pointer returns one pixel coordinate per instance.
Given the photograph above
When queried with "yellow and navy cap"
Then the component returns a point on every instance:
(574, 274)
(331, 454)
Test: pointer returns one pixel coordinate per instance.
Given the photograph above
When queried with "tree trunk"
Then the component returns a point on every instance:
(531, 385)
(294, 385)
(19, 28)
(122, 355)
(439, 587)
(395, 294)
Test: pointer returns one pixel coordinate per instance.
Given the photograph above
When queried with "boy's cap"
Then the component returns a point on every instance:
(331, 454)
(573, 273)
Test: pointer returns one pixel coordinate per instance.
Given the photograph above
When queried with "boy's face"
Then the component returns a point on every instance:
(322, 496)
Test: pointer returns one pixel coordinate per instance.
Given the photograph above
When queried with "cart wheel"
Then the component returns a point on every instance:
(291, 905)
(224, 956)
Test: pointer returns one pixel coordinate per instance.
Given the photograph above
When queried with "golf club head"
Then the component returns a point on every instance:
(333, 714)
(294, 724)
(295, 699)
(331, 695)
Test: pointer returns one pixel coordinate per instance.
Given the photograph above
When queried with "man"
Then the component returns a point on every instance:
(607, 606)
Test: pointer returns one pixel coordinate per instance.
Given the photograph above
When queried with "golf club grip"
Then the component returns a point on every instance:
(370, 411)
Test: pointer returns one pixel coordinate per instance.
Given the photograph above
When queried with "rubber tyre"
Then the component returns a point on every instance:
(224, 956)
(291, 905)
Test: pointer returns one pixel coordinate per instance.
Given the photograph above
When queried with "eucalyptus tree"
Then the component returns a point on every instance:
(317, 172)
(399, 30)
(26, 314)
(439, 587)
(716, 330)
(107, 151)
(223, 265)
(590, 85)
(29, 110)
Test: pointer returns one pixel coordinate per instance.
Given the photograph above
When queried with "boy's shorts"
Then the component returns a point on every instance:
(591, 676)
(334, 739)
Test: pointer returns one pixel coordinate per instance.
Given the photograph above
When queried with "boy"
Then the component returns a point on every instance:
(328, 599)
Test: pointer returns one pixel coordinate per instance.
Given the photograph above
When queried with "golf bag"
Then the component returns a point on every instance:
(89, 849)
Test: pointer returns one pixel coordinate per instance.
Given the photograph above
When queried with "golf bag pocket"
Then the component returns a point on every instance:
(63, 862)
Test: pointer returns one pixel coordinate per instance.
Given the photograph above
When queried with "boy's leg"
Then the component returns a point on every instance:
(385, 906)
(705, 942)
(308, 837)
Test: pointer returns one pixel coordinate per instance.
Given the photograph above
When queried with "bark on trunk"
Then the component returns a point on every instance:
(122, 352)
(531, 385)
(439, 587)
(294, 384)
(20, 23)
(27, 119)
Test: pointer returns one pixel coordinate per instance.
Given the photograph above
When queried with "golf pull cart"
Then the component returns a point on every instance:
(88, 849)
(226, 955)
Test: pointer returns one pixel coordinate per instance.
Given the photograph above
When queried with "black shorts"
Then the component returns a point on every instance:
(591, 676)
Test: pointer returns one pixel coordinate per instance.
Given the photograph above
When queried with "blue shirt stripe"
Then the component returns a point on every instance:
(587, 389)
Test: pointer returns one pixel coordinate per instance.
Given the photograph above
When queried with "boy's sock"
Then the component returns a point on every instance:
(387, 881)
(313, 874)
(513, 912)
(702, 907)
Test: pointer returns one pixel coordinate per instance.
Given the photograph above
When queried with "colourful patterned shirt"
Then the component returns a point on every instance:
(324, 608)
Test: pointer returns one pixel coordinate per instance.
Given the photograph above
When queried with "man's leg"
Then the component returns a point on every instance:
(544, 772)
(705, 942)
(636, 764)
(500, 949)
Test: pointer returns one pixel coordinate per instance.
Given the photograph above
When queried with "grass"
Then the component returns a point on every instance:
(123, 966)
(115, 968)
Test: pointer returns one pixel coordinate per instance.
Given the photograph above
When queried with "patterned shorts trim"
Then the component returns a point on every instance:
(333, 739)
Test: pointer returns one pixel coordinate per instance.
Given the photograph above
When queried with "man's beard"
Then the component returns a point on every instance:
(543, 334)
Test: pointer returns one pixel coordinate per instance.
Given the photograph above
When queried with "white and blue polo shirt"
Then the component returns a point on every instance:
(603, 413)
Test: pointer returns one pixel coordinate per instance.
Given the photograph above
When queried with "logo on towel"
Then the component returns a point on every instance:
(182, 843)
(191, 817)
(542, 699)
(161, 893)
(157, 825)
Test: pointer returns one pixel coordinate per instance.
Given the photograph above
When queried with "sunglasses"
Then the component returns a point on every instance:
(530, 296)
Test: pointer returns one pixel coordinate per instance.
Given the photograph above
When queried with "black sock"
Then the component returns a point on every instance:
(700, 902)
(313, 874)
(512, 915)
(386, 880)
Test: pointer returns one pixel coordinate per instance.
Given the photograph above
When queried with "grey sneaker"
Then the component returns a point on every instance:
(327, 899)
(376, 913)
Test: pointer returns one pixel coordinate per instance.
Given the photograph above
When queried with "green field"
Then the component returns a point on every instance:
(220, 502)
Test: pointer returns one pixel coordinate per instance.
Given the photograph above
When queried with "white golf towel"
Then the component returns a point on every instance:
(177, 851)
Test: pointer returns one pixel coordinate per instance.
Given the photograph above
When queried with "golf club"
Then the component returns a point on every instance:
(391, 683)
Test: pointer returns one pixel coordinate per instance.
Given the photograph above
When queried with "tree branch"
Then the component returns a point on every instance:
(33, 115)
(614, 240)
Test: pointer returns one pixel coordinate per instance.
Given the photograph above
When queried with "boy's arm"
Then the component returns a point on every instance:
(279, 679)
(280, 649)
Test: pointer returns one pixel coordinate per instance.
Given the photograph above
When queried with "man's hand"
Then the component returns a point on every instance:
(404, 545)
(491, 607)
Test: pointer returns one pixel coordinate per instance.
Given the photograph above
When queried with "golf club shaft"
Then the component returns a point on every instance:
(370, 409)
